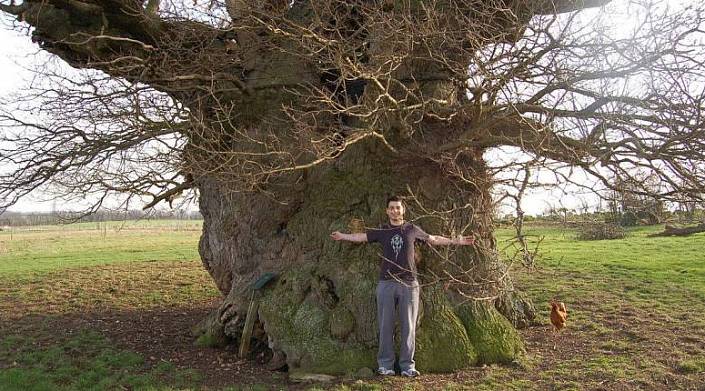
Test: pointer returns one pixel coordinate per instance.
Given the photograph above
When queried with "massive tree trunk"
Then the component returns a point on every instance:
(320, 311)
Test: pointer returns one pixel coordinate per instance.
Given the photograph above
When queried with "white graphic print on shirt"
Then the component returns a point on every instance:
(397, 242)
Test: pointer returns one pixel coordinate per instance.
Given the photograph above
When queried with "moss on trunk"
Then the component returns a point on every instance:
(442, 342)
(494, 337)
(301, 326)
(320, 311)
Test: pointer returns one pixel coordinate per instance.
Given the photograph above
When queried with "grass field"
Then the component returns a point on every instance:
(636, 319)
(109, 307)
(38, 249)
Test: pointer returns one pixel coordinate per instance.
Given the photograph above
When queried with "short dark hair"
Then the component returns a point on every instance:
(396, 198)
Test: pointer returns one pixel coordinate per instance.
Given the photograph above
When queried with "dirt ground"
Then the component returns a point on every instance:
(159, 335)
(581, 359)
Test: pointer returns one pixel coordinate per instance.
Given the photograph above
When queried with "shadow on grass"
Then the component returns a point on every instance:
(121, 350)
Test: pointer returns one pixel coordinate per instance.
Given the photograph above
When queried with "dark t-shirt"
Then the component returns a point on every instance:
(397, 250)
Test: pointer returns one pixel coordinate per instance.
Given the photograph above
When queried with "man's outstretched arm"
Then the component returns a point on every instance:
(362, 237)
(443, 241)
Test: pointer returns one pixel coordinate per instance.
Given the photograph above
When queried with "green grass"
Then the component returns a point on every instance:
(635, 309)
(86, 361)
(73, 268)
(125, 286)
(692, 365)
(36, 250)
(56, 271)
(638, 268)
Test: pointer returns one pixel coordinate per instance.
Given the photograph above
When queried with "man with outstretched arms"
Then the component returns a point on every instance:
(398, 285)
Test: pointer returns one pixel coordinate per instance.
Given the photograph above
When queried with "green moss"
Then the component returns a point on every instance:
(301, 326)
(342, 323)
(211, 340)
(209, 332)
(322, 314)
(495, 339)
(442, 344)
(302, 334)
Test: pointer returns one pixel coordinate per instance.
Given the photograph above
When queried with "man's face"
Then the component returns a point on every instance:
(395, 211)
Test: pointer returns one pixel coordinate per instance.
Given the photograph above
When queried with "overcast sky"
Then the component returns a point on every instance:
(13, 51)
(17, 52)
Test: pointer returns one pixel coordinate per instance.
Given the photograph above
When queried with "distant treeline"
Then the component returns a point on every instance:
(16, 219)
(629, 218)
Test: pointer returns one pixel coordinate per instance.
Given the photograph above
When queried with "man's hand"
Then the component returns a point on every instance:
(358, 238)
(458, 240)
(465, 240)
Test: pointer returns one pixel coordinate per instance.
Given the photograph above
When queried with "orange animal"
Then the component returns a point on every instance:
(558, 315)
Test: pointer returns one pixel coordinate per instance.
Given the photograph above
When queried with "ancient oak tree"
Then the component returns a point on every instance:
(292, 119)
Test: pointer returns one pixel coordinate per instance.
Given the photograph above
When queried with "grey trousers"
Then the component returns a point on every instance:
(391, 295)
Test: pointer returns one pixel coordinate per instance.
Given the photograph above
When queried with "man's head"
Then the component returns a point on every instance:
(395, 210)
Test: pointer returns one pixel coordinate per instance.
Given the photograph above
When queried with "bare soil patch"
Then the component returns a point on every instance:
(159, 335)
(626, 349)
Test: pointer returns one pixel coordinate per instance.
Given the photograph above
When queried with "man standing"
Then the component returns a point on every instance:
(398, 285)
